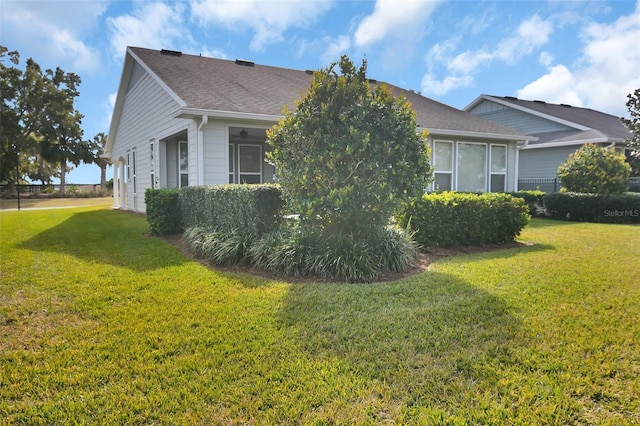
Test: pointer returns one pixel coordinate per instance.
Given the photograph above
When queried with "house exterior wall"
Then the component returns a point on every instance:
(146, 116)
(543, 163)
(526, 123)
(216, 163)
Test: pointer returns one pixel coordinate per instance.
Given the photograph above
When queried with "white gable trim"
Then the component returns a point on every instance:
(191, 113)
(469, 134)
(574, 142)
(158, 80)
(125, 77)
(526, 110)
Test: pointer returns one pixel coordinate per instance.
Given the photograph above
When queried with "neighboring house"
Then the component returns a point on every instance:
(185, 120)
(560, 130)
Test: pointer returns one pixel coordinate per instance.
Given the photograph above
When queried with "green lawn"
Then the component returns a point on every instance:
(100, 323)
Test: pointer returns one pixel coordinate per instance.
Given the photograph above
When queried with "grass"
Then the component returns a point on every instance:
(50, 203)
(100, 323)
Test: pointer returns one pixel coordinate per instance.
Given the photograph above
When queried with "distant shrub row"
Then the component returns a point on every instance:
(460, 219)
(601, 208)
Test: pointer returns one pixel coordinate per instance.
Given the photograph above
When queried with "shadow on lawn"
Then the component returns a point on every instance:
(426, 336)
(107, 236)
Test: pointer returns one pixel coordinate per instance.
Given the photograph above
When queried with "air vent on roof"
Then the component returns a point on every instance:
(566, 105)
(511, 97)
(171, 52)
(372, 80)
(244, 63)
(309, 72)
(540, 102)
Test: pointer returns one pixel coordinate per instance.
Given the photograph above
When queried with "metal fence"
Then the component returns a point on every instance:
(553, 184)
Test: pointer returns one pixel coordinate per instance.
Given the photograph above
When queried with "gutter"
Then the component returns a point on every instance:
(519, 147)
(200, 147)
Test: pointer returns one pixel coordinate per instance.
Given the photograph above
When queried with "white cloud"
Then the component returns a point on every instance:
(335, 48)
(153, 25)
(460, 69)
(607, 70)
(557, 86)
(268, 20)
(391, 17)
(530, 35)
(432, 86)
(52, 34)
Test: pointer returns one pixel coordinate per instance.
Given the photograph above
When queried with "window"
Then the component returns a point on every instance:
(472, 167)
(128, 168)
(152, 166)
(498, 168)
(443, 166)
(249, 164)
(232, 162)
(133, 157)
(183, 166)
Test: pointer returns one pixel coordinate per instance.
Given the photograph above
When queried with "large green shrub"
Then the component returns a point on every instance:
(349, 154)
(245, 209)
(163, 211)
(603, 208)
(461, 219)
(595, 169)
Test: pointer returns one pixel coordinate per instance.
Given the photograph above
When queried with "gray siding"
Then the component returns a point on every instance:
(543, 163)
(526, 123)
(145, 115)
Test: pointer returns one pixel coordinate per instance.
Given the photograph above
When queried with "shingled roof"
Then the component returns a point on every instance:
(216, 85)
(589, 124)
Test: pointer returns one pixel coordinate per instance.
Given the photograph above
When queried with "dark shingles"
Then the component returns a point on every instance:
(222, 85)
(607, 124)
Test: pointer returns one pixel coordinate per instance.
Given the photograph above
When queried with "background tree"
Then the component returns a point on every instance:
(20, 115)
(633, 124)
(39, 121)
(350, 153)
(97, 148)
(594, 169)
(62, 143)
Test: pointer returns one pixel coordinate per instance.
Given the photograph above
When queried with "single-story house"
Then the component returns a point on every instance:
(560, 129)
(185, 120)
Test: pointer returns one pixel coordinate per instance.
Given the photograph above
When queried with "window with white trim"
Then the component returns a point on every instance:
(498, 161)
(232, 164)
(183, 163)
(443, 165)
(152, 165)
(472, 167)
(133, 167)
(249, 163)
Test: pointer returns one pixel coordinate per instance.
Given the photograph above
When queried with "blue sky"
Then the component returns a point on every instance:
(584, 53)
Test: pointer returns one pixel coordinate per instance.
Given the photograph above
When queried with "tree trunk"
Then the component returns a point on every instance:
(103, 178)
(63, 177)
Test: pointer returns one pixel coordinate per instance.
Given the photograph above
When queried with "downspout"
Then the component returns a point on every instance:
(200, 148)
(517, 173)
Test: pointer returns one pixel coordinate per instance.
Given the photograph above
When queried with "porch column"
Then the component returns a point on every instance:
(122, 189)
(115, 195)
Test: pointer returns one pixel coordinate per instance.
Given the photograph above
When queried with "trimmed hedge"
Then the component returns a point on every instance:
(246, 209)
(163, 211)
(534, 199)
(600, 208)
(462, 219)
